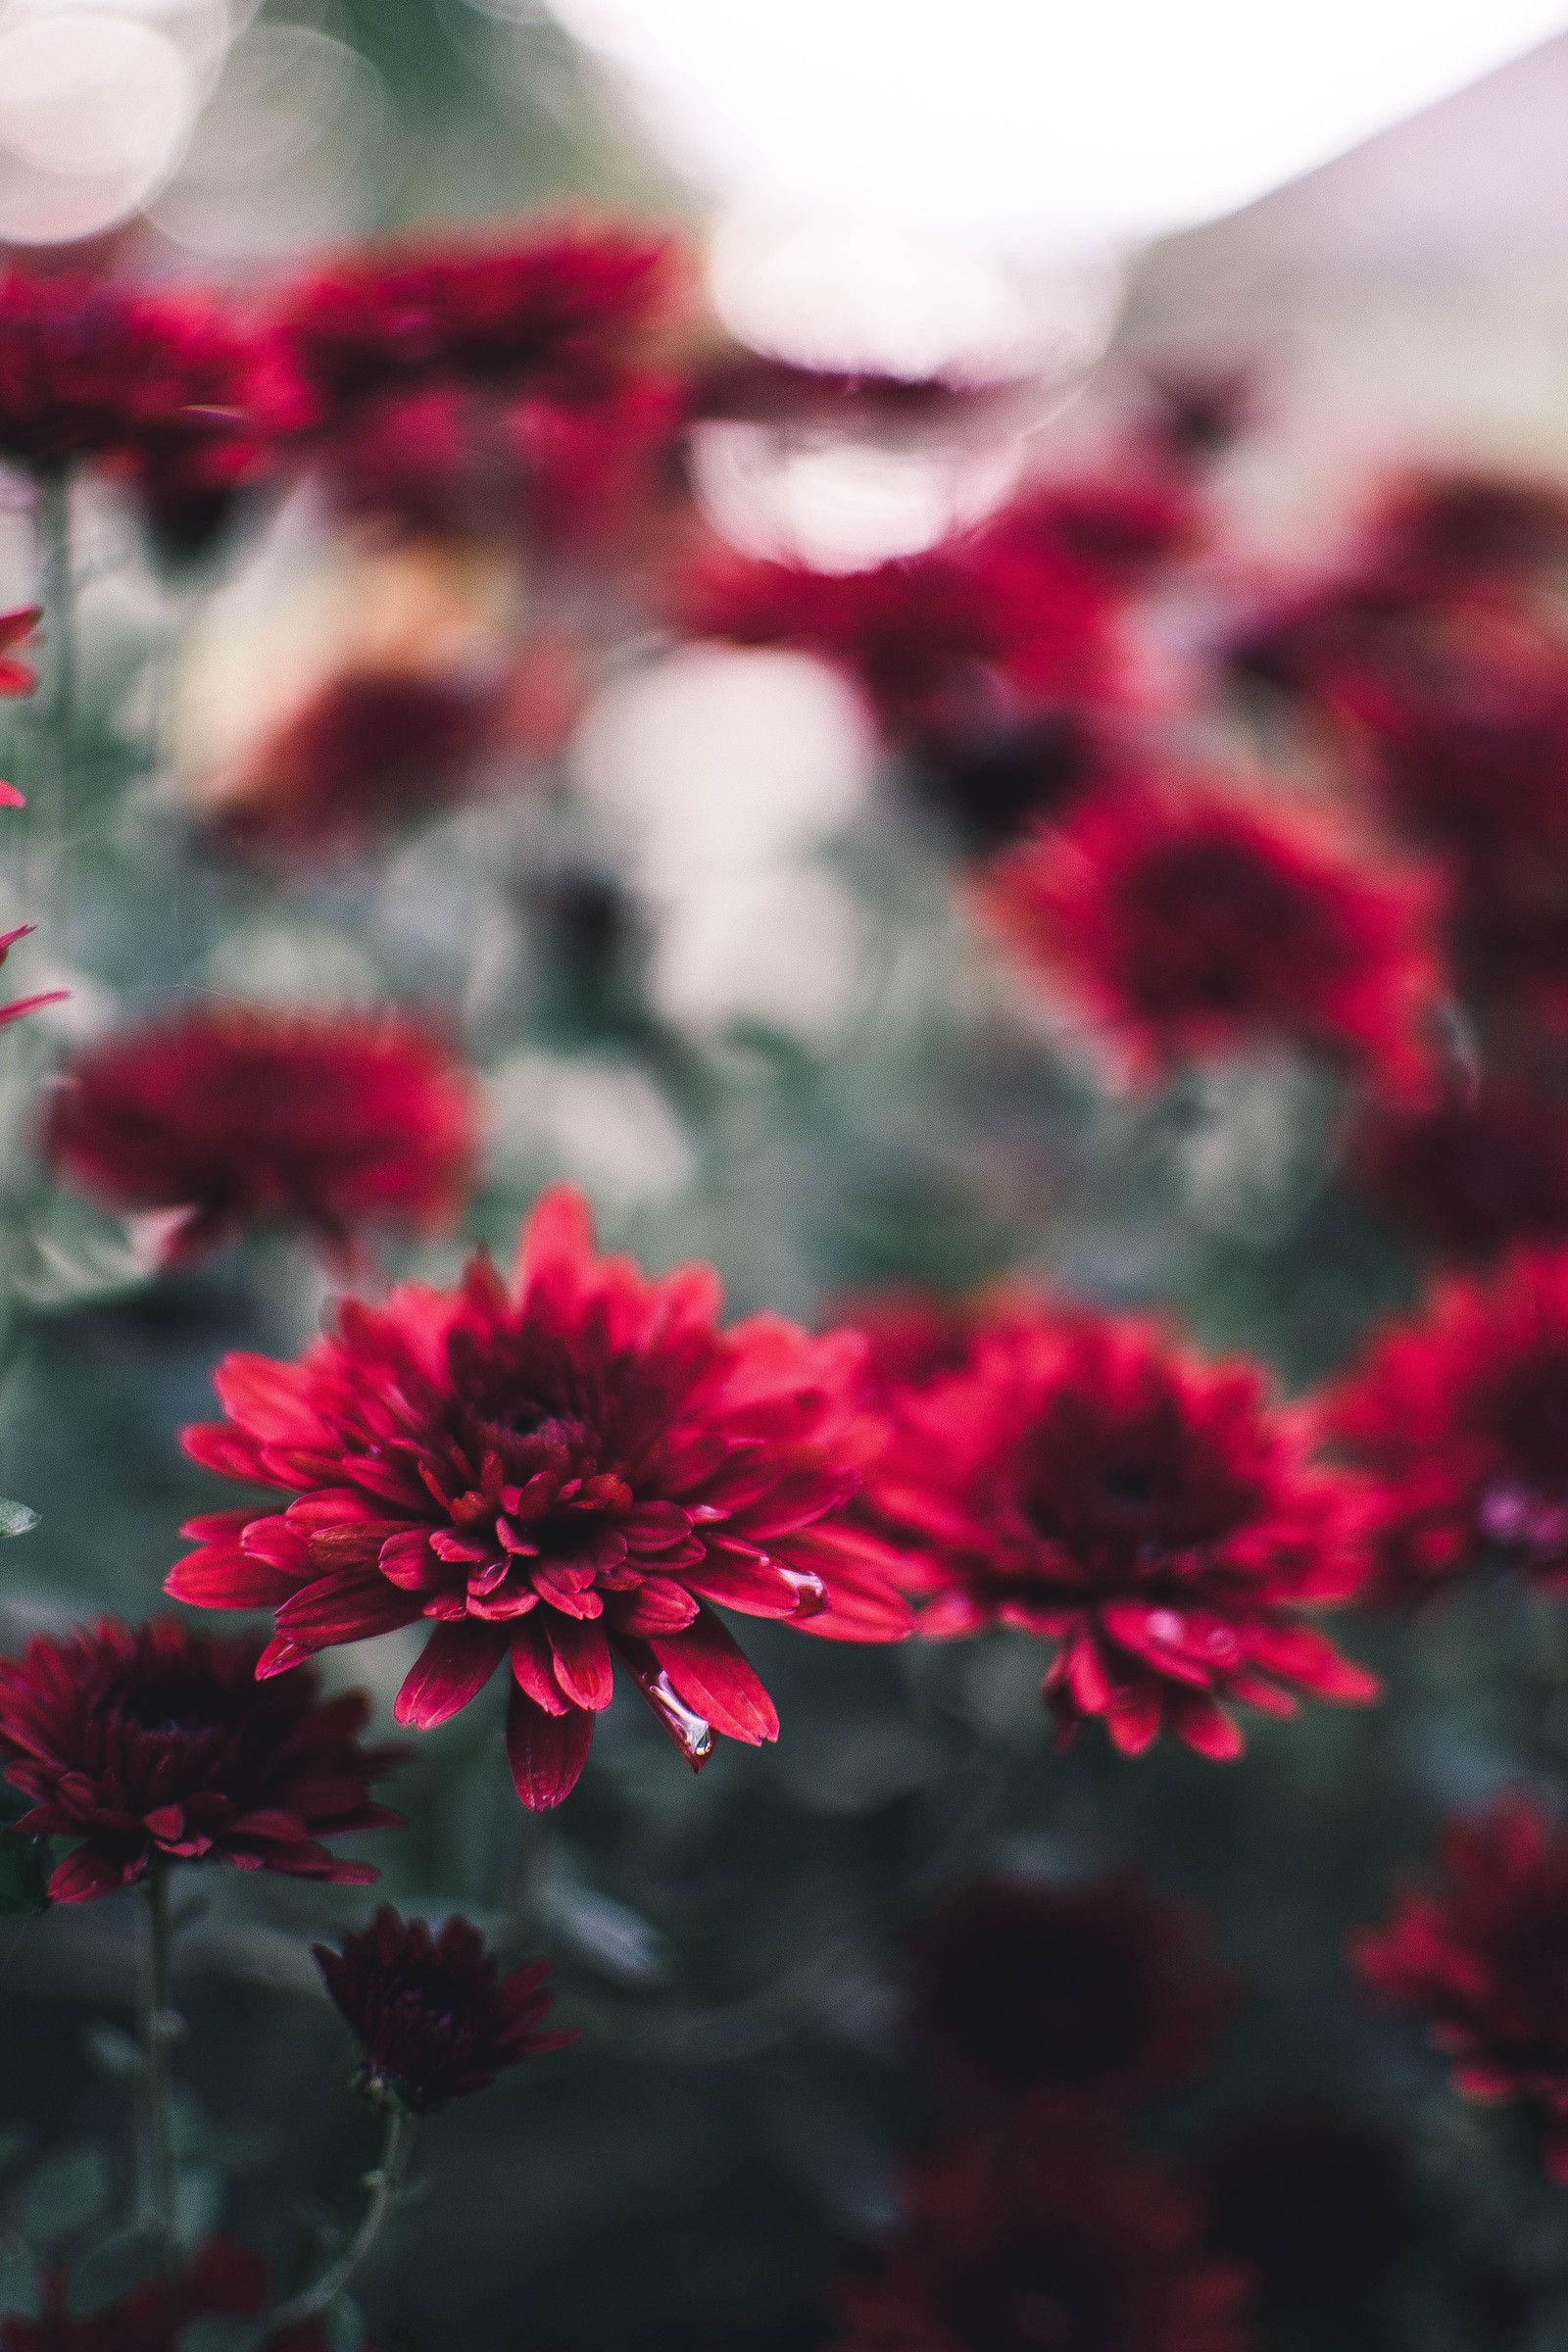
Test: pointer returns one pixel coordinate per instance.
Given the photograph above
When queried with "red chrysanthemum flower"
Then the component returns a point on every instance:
(17, 678)
(1470, 1176)
(433, 2016)
(916, 1335)
(929, 639)
(1461, 1419)
(570, 1473)
(237, 1116)
(1088, 1481)
(1315, 2202)
(1121, 528)
(1073, 1992)
(170, 387)
(1190, 923)
(1482, 1961)
(223, 2282)
(10, 798)
(156, 1741)
(563, 311)
(1055, 2245)
(371, 750)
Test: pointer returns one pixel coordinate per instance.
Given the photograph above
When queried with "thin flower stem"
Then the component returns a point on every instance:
(158, 2194)
(386, 2185)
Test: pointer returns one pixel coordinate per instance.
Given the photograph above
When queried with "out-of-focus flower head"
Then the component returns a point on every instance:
(371, 750)
(434, 2018)
(1472, 1175)
(1459, 1419)
(236, 1116)
(1123, 526)
(560, 1475)
(1189, 922)
(169, 388)
(936, 642)
(1440, 530)
(1315, 2202)
(1086, 1480)
(1482, 1961)
(1055, 2243)
(223, 2282)
(915, 1336)
(17, 678)
(156, 1744)
(1075, 1992)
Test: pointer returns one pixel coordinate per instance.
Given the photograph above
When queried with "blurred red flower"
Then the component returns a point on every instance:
(1189, 923)
(1122, 526)
(171, 387)
(433, 2016)
(562, 310)
(156, 1743)
(223, 2282)
(238, 1115)
(1052, 2243)
(567, 1474)
(1482, 1961)
(934, 641)
(17, 678)
(915, 1336)
(1469, 1176)
(371, 750)
(1442, 530)
(1460, 1418)
(1316, 2201)
(1084, 1991)
(1085, 1480)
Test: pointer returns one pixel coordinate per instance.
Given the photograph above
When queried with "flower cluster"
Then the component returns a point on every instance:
(1481, 1961)
(559, 1476)
(234, 1116)
(1086, 1480)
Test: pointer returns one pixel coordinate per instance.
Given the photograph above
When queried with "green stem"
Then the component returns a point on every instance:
(159, 2208)
(386, 2185)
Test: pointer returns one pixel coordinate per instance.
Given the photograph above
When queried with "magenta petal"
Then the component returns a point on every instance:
(709, 1672)
(583, 1668)
(546, 1752)
(691, 1734)
(454, 1667)
(346, 1608)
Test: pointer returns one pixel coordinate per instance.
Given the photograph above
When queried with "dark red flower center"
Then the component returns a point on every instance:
(1524, 1412)
(1209, 924)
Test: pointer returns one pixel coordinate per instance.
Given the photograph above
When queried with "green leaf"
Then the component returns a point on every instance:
(15, 1518)
(69, 2189)
(24, 1876)
(112, 2268)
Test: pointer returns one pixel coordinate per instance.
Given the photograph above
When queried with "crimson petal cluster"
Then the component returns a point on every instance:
(570, 1473)
(1086, 1480)
(156, 1744)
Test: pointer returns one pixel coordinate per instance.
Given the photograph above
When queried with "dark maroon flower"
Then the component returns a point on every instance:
(1053, 2246)
(560, 1475)
(1485, 1961)
(1086, 1480)
(156, 1741)
(1190, 923)
(561, 312)
(434, 2018)
(1314, 2201)
(1451, 530)
(223, 2282)
(371, 750)
(1122, 527)
(238, 1115)
(1076, 1992)
(1470, 1176)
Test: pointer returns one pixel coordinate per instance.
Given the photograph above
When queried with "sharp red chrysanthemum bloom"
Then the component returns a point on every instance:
(157, 1743)
(434, 2018)
(371, 750)
(1088, 1481)
(1075, 1992)
(1315, 2202)
(928, 638)
(1483, 1961)
(1054, 2245)
(17, 678)
(1460, 1420)
(1189, 923)
(223, 2282)
(562, 310)
(565, 1473)
(1470, 1176)
(238, 1115)
(167, 386)
(11, 798)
